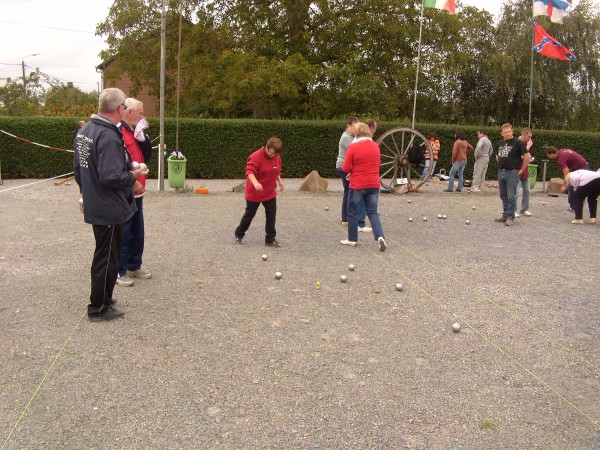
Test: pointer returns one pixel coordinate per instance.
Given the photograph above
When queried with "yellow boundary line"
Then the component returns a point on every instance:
(41, 383)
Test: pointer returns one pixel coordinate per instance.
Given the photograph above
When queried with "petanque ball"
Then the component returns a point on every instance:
(456, 327)
(327, 208)
(265, 257)
(399, 287)
(444, 216)
(351, 267)
(278, 275)
(343, 278)
(439, 216)
(410, 219)
(468, 222)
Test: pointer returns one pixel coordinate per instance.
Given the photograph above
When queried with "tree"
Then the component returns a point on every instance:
(331, 59)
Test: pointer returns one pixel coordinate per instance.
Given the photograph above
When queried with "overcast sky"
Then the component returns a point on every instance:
(63, 33)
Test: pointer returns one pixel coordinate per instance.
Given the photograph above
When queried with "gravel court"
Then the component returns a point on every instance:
(234, 358)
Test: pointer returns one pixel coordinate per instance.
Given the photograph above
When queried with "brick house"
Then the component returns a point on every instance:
(110, 68)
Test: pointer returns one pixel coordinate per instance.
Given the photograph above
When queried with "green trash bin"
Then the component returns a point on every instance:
(176, 171)
(532, 168)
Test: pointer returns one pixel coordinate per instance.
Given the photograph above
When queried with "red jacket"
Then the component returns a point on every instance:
(133, 147)
(266, 170)
(362, 162)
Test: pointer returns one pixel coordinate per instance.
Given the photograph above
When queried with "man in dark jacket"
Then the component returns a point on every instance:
(106, 180)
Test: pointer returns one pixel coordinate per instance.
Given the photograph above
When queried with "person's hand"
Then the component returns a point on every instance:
(258, 187)
(138, 188)
(280, 186)
(140, 172)
(81, 209)
(563, 189)
(529, 144)
(348, 177)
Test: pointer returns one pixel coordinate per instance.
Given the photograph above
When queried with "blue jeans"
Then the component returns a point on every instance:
(458, 166)
(525, 199)
(367, 199)
(132, 241)
(426, 169)
(361, 211)
(508, 180)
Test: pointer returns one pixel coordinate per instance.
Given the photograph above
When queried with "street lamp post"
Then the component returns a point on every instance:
(23, 67)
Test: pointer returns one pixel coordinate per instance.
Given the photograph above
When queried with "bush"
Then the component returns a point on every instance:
(219, 148)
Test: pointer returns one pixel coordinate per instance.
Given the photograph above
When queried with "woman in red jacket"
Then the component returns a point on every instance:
(362, 164)
(263, 173)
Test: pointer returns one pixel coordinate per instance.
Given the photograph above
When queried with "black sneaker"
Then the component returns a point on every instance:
(274, 243)
(112, 302)
(238, 240)
(108, 314)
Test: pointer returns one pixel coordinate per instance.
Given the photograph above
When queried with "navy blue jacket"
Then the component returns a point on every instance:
(101, 165)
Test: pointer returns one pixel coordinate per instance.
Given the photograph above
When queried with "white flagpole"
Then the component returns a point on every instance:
(418, 65)
(531, 75)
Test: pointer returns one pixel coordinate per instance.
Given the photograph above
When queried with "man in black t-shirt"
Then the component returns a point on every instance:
(513, 158)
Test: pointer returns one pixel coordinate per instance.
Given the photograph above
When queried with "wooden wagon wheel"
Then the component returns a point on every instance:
(397, 173)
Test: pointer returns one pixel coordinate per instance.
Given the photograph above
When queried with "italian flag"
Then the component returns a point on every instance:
(448, 5)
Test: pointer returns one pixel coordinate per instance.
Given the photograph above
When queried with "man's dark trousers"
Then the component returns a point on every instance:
(105, 266)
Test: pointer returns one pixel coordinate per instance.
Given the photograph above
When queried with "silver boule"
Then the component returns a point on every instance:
(456, 327)
(410, 219)
(399, 287)
(343, 278)
(424, 219)
(327, 208)
(468, 222)
(265, 257)
(439, 216)
(351, 267)
(278, 275)
(474, 207)
(444, 216)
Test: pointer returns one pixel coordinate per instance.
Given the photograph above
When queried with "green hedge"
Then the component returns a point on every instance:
(219, 148)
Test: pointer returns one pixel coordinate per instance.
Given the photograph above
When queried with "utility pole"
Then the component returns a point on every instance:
(23, 67)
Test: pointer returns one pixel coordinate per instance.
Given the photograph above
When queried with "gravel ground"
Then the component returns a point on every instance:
(214, 352)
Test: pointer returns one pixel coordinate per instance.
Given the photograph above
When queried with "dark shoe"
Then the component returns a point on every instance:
(500, 220)
(112, 302)
(274, 243)
(508, 222)
(108, 314)
(382, 244)
(238, 240)
(447, 190)
(458, 190)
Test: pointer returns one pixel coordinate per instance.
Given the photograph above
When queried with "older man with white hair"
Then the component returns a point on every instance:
(139, 146)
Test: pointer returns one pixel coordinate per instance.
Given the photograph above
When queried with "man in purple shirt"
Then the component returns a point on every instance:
(569, 161)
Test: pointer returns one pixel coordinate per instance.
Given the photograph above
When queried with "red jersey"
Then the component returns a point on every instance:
(569, 159)
(266, 170)
(362, 163)
(134, 150)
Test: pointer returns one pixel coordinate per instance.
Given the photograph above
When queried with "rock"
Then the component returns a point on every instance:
(314, 183)
(240, 187)
(554, 185)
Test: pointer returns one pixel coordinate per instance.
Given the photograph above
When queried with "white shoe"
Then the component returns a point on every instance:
(593, 220)
(125, 281)
(517, 215)
(476, 189)
(382, 244)
(365, 229)
(527, 213)
(347, 242)
(344, 223)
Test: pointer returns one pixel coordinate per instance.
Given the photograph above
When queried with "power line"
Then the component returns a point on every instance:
(46, 26)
